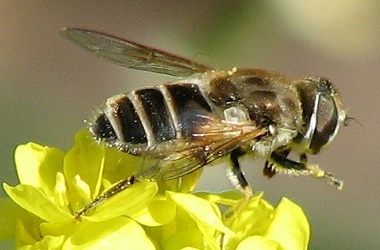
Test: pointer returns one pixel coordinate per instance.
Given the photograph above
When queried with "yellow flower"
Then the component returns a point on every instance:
(40, 213)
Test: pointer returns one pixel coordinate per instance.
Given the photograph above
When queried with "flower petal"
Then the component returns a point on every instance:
(27, 230)
(190, 181)
(37, 165)
(248, 218)
(117, 233)
(290, 226)
(253, 217)
(66, 228)
(119, 165)
(85, 159)
(9, 212)
(41, 206)
(185, 239)
(48, 242)
(159, 211)
(183, 231)
(200, 210)
(258, 242)
(228, 198)
(184, 184)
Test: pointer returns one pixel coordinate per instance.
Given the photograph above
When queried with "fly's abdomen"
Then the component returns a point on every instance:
(141, 119)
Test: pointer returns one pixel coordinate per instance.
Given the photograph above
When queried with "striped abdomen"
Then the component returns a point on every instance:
(143, 118)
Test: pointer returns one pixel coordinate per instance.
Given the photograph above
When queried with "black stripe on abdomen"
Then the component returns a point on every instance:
(130, 124)
(187, 96)
(103, 129)
(190, 106)
(157, 112)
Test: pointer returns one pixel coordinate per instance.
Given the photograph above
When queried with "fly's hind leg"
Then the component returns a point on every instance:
(120, 186)
(280, 163)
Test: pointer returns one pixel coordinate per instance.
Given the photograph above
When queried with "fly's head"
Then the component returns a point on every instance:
(323, 114)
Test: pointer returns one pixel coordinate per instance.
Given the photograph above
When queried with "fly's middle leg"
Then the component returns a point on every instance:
(237, 178)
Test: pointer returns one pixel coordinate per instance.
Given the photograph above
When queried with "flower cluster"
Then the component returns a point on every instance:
(40, 211)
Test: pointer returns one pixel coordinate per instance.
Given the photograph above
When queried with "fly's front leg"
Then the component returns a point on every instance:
(282, 164)
(269, 168)
(106, 195)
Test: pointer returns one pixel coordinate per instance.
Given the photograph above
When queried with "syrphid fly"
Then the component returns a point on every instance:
(207, 114)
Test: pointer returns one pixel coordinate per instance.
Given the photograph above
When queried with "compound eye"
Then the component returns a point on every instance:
(327, 122)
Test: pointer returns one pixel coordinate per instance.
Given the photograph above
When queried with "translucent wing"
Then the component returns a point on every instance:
(132, 55)
(210, 140)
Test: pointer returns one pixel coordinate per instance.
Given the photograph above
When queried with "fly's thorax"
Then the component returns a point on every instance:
(267, 96)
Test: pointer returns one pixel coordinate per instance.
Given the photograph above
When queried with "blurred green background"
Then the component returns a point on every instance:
(48, 86)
